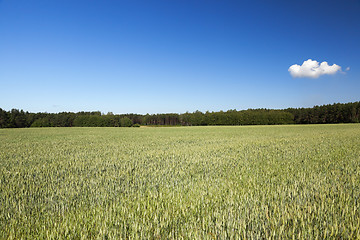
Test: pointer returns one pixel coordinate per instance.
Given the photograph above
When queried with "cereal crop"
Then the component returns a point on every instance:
(243, 182)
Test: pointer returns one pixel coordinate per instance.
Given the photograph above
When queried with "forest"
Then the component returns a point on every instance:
(332, 113)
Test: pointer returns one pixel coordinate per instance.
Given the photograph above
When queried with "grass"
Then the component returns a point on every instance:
(299, 182)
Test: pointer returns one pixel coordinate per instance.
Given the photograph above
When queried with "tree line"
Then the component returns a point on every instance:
(332, 113)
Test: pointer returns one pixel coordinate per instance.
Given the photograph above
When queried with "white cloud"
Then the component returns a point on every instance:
(312, 69)
(348, 68)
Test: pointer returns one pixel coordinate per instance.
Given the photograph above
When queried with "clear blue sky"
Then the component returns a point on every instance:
(175, 55)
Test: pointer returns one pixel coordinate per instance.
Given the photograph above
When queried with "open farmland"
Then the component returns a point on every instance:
(185, 182)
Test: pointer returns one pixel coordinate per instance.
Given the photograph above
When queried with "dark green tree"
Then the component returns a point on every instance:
(125, 122)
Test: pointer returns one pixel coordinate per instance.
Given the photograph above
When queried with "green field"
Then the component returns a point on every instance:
(181, 183)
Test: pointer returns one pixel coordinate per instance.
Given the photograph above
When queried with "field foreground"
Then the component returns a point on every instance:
(186, 182)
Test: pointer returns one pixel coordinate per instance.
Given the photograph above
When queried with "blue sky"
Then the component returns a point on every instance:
(175, 55)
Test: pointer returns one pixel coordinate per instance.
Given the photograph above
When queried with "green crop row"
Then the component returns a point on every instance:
(255, 182)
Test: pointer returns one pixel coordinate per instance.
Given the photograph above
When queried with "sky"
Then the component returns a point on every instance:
(174, 56)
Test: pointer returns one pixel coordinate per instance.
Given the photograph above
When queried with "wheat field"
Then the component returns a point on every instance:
(244, 182)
